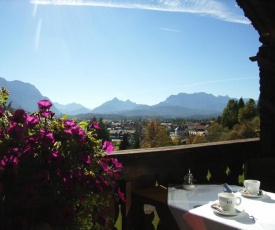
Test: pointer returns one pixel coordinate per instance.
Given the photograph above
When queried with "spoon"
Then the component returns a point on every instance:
(217, 208)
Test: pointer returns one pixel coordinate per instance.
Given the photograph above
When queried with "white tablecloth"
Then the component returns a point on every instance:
(192, 209)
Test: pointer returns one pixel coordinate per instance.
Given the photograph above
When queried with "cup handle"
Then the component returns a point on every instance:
(238, 200)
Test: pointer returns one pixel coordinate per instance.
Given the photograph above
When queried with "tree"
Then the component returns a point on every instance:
(135, 143)
(230, 114)
(241, 103)
(190, 139)
(231, 135)
(247, 130)
(124, 144)
(199, 139)
(177, 141)
(248, 112)
(102, 133)
(215, 132)
(155, 135)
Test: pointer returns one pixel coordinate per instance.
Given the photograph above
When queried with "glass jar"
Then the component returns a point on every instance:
(188, 183)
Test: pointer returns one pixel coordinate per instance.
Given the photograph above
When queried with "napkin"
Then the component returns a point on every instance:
(226, 188)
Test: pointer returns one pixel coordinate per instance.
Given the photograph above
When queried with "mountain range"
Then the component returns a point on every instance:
(196, 105)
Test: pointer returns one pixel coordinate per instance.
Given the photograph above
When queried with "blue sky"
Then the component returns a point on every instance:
(89, 52)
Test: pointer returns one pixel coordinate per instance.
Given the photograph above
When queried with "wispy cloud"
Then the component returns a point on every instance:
(171, 30)
(37, 34)
(212, 8)
(34, 11)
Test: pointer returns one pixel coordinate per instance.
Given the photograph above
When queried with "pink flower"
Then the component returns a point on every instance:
(96, 125)
(44, 113)
(68, 131)
(28, 150)
(19, 116)
(108, 147)
(54, 167)
(16, 131)
(117, 166)
(46, 137)
(55, 158)
(30, 144)
(69, 123)
(78, 133)
(44, 104)
(9, 163)
(31, 140)
(85, 159)
(103, 181)
(32, 121)
(121, 195)
(104, 165)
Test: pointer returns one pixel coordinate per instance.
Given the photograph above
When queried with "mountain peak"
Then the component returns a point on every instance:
(180, 105)
(114, 106)
(31, 95)
(115, 99)
(72, 108)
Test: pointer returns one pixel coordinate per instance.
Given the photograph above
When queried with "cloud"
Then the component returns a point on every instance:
(34, 11)
(171, 30)
(37, 34)
(213, 8)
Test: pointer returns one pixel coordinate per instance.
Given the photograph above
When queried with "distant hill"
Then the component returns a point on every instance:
(24, 95)
(201, 101)
(72, 108)
(116, 106)
(197, 105)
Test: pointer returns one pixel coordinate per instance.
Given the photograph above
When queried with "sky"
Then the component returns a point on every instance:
(89, 52)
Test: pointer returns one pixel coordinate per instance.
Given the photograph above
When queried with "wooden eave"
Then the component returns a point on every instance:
(261, 13)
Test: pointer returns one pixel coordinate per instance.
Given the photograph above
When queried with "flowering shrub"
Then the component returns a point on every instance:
(53, 171)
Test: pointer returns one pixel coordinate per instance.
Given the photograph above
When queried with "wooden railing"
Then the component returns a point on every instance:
(215, 163)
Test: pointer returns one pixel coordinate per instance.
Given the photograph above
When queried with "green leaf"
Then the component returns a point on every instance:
(83, 124)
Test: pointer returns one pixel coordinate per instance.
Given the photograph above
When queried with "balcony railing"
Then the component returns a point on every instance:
(214, 163)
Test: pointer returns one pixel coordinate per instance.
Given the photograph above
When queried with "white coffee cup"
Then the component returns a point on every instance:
(228, 201)
(252, 186)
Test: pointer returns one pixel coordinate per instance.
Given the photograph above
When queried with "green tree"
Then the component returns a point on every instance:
(248, 112)
(231, 135)
(256, 124)
(241, 103)
(199, 139)
(102, 133)
(124, 144)
(135, 142)
(215, 132)
(230, 114)
(247, 130)
(155, 135)
(177, 141)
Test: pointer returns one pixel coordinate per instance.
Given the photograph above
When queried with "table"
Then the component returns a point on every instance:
(192, 209)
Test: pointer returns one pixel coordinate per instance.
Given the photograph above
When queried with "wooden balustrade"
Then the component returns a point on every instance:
(214, 163)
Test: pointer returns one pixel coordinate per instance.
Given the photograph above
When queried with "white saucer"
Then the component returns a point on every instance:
(245, 193)
(218, 210)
